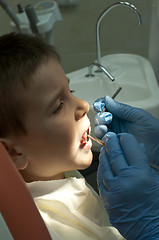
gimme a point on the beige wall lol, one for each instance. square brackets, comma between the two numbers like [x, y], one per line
[75, 38]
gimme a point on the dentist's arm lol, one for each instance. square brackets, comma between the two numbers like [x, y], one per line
[129, 188]
[127, 119]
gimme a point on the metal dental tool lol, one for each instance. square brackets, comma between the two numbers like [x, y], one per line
[95, 139]
[11, 14]
[33, 19]
[103, 144]
[117, 92]
[114, 95]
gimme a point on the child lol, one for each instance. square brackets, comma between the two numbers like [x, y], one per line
[44, 129]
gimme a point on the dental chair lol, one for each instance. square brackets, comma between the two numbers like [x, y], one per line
[19, 217]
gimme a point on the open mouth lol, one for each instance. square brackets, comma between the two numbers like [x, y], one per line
[85, 139]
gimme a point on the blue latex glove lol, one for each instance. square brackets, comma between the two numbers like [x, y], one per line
[129, 188]
[132, 120]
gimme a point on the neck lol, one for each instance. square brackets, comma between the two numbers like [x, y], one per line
[27, 178]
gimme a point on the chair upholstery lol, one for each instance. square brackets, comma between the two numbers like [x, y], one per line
[16, 204]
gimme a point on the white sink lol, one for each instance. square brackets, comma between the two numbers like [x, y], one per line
[95, 87]
[132, 72]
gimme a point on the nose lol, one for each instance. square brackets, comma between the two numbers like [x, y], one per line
[82, 108]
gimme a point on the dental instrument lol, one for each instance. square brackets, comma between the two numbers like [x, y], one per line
[11, 14]
[96, 140]
[20, 9]
[114, 95]
[103, 144]
[33, 19]
[117, 92]
[38, 19]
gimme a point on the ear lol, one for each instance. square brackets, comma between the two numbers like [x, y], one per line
[18, 157]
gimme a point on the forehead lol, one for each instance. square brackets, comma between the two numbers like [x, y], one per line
[48, 80]
[49, 72]
[49, 75]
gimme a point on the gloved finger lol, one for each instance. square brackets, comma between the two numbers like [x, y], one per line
[99, 105]
[100, 131]
[121, 110]
[142, 145]
[103, 118]
[106, 171]
[115, 154]
[132, 150]
[103, 188]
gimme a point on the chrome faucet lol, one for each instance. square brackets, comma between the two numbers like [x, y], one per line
[126, 4]
[102, 69]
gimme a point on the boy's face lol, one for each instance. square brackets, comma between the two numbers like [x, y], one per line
[57, 126]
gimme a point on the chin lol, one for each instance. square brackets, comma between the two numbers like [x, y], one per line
[87, 162]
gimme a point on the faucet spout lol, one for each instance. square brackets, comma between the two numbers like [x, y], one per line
[126, 4]
[102, 70]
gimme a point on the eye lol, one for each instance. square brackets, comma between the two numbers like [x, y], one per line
[59, 108]
[72, 91]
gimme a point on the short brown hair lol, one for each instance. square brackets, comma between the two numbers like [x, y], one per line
[20, 56]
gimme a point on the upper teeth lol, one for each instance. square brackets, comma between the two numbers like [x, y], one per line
[84, 136]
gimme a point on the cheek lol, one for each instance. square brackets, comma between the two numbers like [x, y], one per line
[68, 141]
[54, 141]
[67, 138]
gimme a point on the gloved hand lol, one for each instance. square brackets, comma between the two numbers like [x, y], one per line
[129, 188]
[132, 120]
